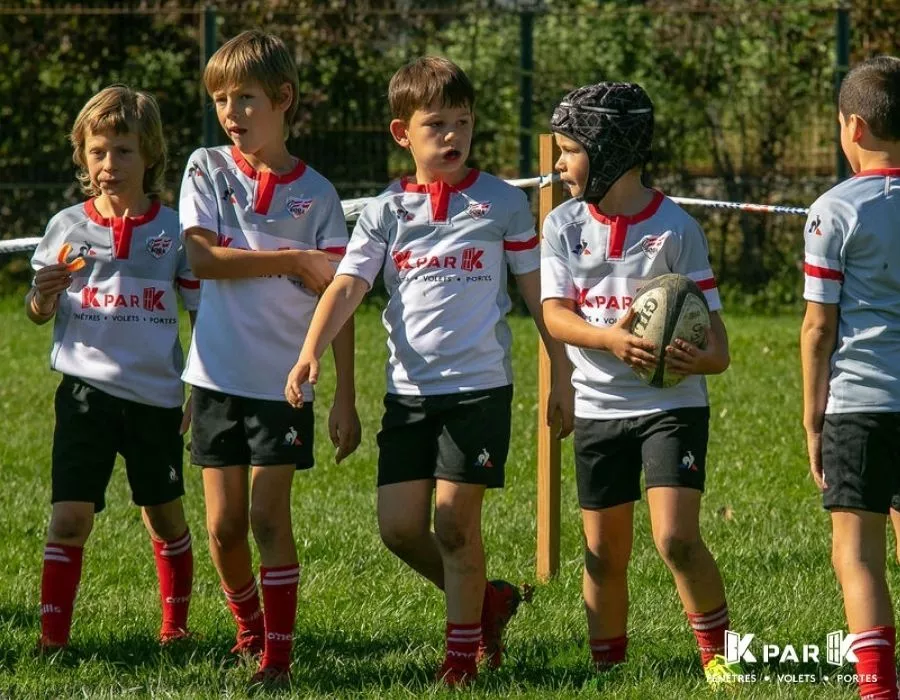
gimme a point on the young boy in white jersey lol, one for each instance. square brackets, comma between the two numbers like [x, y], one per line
[598, 249]
[108, 271]
[850, 351]
[443, 240]
[261, 229]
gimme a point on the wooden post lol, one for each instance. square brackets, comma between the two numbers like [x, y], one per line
[548, 444]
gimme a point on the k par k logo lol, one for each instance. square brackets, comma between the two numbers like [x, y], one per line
[739, 648]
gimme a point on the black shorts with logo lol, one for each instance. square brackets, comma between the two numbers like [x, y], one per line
[460, 437]
[861, 461]
[228, 430]
[92, 426]
[670, 448]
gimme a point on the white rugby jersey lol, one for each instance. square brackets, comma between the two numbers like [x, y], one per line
[117, 324]
[600, 263]
[443, 250]
[249, 331]
[852, 259]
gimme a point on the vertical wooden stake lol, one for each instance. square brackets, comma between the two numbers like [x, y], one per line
[548, 445]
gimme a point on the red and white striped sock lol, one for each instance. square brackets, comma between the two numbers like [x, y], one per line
[279, 588]
[59, 586]
[462, 646]
[608, 652]
[175, 572]
[246, 610]
[874, 649]
[709, 631]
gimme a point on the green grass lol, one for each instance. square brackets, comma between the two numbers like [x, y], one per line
[367, 626]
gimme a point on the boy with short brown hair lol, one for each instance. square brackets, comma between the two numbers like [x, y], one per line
[261, 229]
[442, 240]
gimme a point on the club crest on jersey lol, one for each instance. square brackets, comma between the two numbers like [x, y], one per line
[477, 210]
[298, 207]
[582, 248]
[159, 245]
[651, 245]
[228, 195]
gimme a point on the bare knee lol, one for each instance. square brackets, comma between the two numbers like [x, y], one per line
[399, 536]
[166, 521]
[451, 535]
[268, 525]
[602, 563]
[226, 533]
[680, 553]
[69, 526]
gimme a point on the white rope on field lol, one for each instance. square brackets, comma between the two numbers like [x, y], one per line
[353, 208]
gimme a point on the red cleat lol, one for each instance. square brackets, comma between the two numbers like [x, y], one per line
[455, 677]
[270, 678]
[172, 636]
[502, 601]
[248, 644]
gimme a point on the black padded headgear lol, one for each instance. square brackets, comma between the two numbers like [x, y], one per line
[613, 122]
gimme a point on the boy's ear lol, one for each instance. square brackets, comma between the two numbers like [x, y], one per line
[400, 132]
[857, 127]
[285, 95]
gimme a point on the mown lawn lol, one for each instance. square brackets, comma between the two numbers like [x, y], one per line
[368, 627]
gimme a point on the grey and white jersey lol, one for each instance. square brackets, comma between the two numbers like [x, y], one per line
[249, 331]
[601, 263]
[443, 251]
[117, 324]
[852, 259]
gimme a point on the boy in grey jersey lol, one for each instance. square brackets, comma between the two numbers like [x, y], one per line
[850, 351]
[443, 241]
[108, 271]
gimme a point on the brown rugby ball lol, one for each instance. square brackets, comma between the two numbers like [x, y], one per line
[669, 307]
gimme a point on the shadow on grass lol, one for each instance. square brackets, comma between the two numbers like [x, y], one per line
[331, 662]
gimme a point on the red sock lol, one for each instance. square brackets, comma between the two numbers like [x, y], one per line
[462, 646]
[279, 587]
[59, 585]
[709, 630]
[245, 608]
[878, 676]
[175, 571]
[608, 652]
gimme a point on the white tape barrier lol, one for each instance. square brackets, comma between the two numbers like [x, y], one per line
[353, 207]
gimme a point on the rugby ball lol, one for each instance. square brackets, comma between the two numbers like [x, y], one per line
[666, 308]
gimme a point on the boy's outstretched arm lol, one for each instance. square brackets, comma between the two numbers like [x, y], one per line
[818, 336]
[332, 312]
[343, 421]
[211, 261]
[562, 393]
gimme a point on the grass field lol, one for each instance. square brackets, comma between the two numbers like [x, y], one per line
[368, 627]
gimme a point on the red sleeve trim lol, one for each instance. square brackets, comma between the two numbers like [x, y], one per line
[337, 250]
[707, 284]
[516, 246]
[823, 273]
[186, 283]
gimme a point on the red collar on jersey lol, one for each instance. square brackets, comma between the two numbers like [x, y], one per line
[122, 227]
[439, 192]
[267, 179]
[883, 172]
[618, 225]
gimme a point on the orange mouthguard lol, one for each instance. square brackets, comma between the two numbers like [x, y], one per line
[73, 266]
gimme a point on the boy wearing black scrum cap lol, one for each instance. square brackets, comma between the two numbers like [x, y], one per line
[598, 249]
